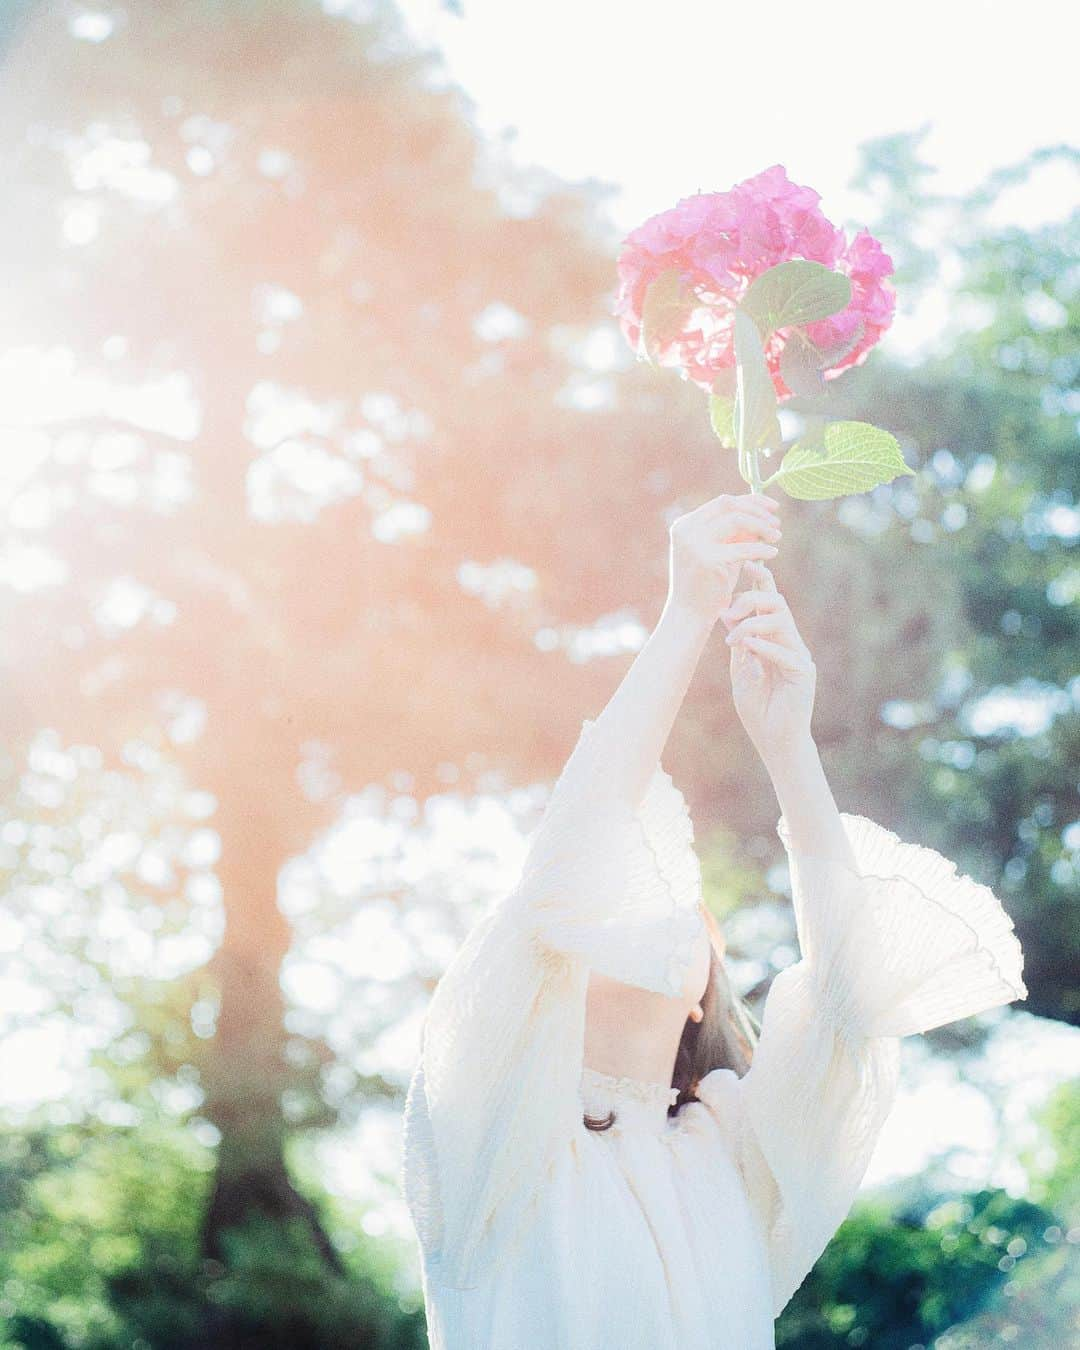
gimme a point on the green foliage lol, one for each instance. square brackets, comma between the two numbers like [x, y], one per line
[849, 457]
[756, 422]
[803, 367]
[664, 312]
[1053, 1162]
[722, 419]
[955, 1271]
[991, 421]
[795, 292]
[730, 883]
[905, 1269]
[84, 1206]
[802, 364]
[99, 1234]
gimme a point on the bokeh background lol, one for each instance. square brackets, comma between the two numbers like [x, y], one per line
[332, 503]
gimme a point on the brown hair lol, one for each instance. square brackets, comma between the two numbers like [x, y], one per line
[723, 1039]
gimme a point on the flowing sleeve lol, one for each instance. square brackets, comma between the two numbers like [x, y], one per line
[899, 944]
[611, 882]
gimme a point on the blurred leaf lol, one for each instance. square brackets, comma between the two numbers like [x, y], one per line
[664, 313]
[802, 366]
[722, 419]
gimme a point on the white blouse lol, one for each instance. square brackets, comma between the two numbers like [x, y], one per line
[684, 1232]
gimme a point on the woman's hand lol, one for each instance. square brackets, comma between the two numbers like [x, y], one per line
[710, 544]
[773, 675]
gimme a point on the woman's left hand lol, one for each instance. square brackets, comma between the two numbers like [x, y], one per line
[773, 675]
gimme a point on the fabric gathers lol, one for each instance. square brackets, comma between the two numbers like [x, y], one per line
[688, 1233]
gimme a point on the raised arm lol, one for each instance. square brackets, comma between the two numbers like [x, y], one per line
[774, 679]
[708, 545]
[892, 941]
[614, 822]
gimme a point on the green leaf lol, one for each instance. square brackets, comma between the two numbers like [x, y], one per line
[799, 291]
[664, 313]
[755, 395]
[849, 457]
[722, 419]
[832, 355]
[801, 367]
[803, 363]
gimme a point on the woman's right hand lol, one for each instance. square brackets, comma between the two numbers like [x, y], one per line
[710, 544]
[773, 675]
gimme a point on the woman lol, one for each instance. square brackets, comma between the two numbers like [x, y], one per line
[601, 1149]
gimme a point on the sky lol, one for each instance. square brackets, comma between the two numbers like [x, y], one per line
[667, 101]
[660, 102]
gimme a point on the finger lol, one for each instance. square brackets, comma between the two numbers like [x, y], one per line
[755, 521]
[759, 499]
[748, 501]
[774, 652]
[780, 628]
[749, 601]
[740, 552]
[777, 622]
[745, 514]
[763, 576]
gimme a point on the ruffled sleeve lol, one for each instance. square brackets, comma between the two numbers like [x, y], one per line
[611, 882]
[899, 944]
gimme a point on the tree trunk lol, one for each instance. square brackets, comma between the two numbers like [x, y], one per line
[245, 1068]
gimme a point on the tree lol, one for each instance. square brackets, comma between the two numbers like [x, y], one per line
[305, 245]
[919, 1262]
[994, 417]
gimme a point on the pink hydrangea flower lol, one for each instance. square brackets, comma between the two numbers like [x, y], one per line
[721, 241]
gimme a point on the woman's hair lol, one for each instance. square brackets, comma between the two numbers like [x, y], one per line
[723, 1039]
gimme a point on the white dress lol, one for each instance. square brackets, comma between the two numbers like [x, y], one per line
[690, 1232]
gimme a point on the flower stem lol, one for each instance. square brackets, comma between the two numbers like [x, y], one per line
[749, 469]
